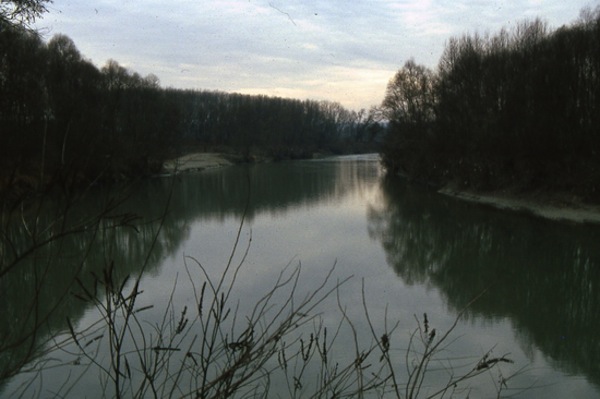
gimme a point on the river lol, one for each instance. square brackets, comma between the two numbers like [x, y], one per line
[528, 288]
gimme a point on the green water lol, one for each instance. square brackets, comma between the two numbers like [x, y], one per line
[537, 282]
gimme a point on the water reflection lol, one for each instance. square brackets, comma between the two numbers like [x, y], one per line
[273, 188]
[540, 276]
[543, 276]
[75, 242]
[37, 295]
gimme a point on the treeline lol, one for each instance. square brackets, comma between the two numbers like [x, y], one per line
[60, 115]
[63, 119]
[516, 110]
[274, 127]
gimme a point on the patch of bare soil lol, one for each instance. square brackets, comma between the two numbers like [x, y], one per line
[548, 207]
[196, 162]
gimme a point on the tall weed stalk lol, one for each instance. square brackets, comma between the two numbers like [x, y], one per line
[213, 349]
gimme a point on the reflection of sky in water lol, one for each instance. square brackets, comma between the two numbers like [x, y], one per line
[336, 212]
[333, 229]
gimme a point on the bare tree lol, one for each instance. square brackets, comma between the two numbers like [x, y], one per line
[22, 12]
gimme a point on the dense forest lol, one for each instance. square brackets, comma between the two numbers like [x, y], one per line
[65, 120]
[518, 110]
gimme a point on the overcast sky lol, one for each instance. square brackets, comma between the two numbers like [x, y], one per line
[339, 50]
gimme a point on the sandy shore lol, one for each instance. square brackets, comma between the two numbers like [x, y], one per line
[195, 162]
[567, 212]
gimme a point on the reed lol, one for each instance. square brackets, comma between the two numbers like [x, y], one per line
[281, 345]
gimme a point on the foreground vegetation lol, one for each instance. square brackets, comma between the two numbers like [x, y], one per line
[517, 110]
[110, 341]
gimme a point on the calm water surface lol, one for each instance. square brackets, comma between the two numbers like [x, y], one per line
[415, 252]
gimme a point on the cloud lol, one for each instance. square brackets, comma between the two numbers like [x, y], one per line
[309, 49]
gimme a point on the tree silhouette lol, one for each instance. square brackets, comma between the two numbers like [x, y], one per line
[22, 12]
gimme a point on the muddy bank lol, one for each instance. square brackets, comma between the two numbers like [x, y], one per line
[195, 162]
[553, 208]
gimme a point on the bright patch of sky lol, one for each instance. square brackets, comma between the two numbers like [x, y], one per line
[337, 50]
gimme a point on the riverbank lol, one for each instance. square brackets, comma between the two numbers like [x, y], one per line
[554, 208]
[196, 161]
[558, 208]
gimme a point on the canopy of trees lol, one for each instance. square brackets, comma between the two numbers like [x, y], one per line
[63, 119]
[519, 109]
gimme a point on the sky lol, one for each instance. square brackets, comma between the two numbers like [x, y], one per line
[337, 50]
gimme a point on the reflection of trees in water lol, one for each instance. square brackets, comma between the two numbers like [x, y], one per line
[545, 276]
[37, 295]
[274, 188]
[82, 239]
